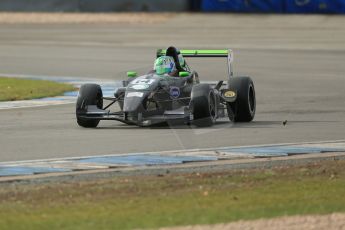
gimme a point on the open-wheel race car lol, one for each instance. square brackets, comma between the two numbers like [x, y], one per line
[171, 91]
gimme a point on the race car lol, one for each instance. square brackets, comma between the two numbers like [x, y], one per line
[171, 91]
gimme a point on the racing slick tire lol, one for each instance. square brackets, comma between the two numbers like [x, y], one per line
[204, 105]
[243, 109]
[89, 94]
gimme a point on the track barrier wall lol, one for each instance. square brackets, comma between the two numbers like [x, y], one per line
[275, 6]
[315, 6]
[244, 6]
[93, 5]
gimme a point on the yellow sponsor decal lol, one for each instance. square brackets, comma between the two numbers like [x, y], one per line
[229, 94]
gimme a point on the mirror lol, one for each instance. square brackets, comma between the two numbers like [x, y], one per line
[131, 74]
[184, 74]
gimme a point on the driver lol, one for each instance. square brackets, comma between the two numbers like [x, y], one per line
[180, 63]
[165, 65]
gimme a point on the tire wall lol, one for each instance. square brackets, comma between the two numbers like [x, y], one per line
[93, 5]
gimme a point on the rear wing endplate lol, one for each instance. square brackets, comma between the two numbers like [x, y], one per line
[206, 53]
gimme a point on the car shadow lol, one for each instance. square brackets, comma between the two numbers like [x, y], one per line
[182, 125]
[222, 124]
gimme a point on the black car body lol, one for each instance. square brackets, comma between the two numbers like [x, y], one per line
[152, 98]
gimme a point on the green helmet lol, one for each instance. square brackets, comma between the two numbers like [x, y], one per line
[164, 64]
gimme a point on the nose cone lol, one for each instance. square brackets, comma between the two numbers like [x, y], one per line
[133, 101]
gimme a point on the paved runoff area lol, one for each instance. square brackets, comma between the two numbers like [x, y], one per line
[295, 61]
[15, 170]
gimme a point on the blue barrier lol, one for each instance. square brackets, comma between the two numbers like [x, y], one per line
[93, 5]
[274, 6]
[315, 6]
[242, 5]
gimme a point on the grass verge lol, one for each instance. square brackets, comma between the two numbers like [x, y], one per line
[12, 89]
[170, 200]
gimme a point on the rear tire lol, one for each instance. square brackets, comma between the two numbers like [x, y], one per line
[204, 105]
[243, 109]
[89, 94]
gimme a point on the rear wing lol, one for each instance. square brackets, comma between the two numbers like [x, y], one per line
[206, 53]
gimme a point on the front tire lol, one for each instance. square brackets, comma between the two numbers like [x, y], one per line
[204, 105]
[243, 109]
[89, 94]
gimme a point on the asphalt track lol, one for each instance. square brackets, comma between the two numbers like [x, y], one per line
[296, 62]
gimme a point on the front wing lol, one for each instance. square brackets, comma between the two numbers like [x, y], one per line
[143, 118]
